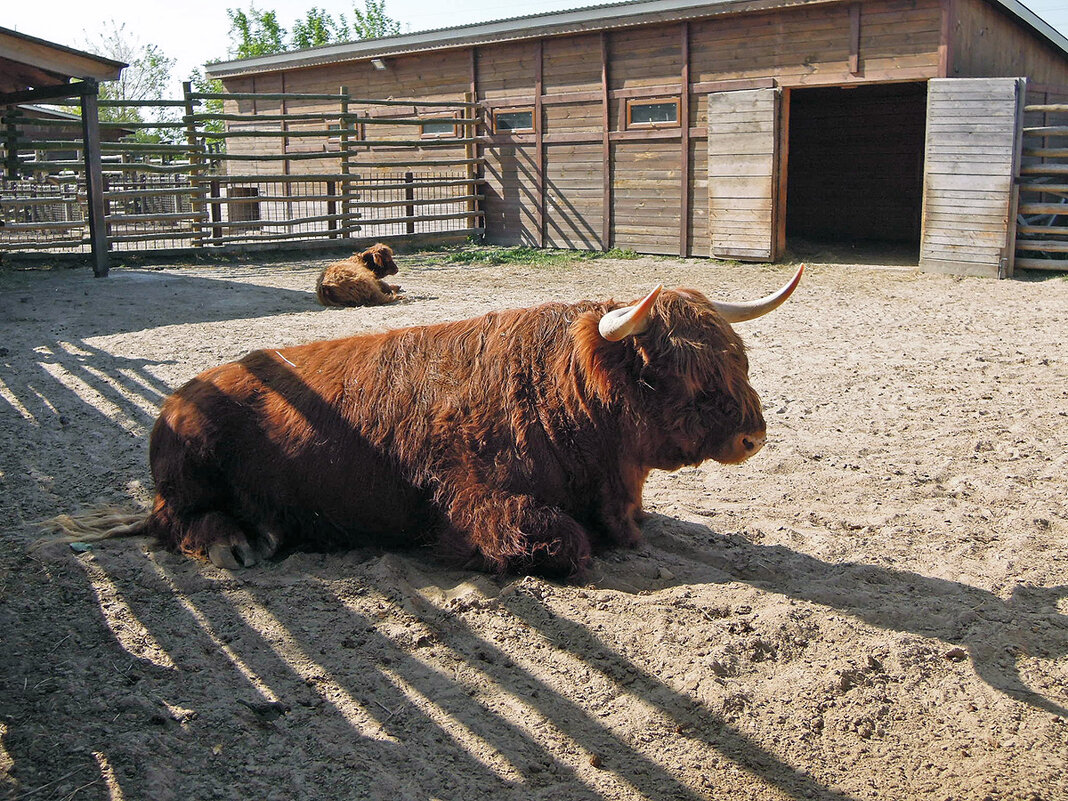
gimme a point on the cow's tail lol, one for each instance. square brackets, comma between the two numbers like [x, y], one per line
[93, 525]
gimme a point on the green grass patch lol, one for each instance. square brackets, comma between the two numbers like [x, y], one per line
[528, 256]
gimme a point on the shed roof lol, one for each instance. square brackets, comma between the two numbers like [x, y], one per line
[27, 62]
[579, 20]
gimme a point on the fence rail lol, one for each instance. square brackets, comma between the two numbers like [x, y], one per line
[224, 177]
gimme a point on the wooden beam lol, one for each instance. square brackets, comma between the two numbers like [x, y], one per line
[854, 38]
[78, 89]
[94, 184]
[684, 166]
[539, 156]
[783, 175]
[945, 53]
[606, 150]
[473, 151]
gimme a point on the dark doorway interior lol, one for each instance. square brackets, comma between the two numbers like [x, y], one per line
[855, 166]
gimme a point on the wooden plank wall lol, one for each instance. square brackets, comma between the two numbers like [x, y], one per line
[582, 179]
[743, 132]
[972, 154]
[986, 43]
[898, 40]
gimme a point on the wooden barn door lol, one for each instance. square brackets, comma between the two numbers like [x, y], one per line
[743, 169]
[972, 155]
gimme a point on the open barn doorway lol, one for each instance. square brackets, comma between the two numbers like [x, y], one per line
[855, 172]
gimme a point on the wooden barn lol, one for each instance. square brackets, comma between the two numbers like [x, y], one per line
[721, 128]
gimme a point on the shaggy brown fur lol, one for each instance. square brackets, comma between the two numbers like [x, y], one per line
[519, 440]
[357, 281]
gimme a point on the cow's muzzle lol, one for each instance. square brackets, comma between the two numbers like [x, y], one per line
[741, 447]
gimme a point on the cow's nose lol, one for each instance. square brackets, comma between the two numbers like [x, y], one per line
[748, 444]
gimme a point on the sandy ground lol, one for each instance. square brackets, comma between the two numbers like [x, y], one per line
[874, 607]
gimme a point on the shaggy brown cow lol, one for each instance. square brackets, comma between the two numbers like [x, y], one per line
[519, 440]
[357, 281]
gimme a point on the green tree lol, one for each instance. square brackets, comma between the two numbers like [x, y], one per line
[372, 22]
[318, 28]
[146, 78]
[255, 33]
[202, 84]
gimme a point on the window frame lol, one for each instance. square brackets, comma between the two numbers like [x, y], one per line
[651, 101]
[513, 110]
[454, 134]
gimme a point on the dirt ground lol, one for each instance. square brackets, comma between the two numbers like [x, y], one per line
[874, 607]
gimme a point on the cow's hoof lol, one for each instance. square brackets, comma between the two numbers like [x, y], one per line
[238, 552]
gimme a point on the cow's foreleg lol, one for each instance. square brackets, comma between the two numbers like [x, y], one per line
[619, 511]
[214, 535]
[504, 532]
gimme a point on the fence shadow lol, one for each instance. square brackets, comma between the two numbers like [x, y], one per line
[994, 632]
[295, 660]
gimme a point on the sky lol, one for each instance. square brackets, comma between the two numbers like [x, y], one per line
[196, 31]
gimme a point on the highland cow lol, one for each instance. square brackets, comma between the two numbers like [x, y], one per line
[515, 441]
[357, 280]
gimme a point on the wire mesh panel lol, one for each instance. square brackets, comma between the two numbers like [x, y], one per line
[148, 211]
[317, 168]
[43, 213]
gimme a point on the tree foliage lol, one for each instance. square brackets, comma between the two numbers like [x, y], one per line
[255, 33]
[258, 33]
[372, 22]
[202, 84]
[318, 28]
[147, 77]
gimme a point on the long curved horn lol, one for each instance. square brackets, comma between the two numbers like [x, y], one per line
[630, 320]
[740, 312]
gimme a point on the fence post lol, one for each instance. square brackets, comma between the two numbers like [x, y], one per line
[11, 143]
[94, 182]
[346, 184]
[215, 209]
[196, 168]
[409, 208]
[471, 154]
[331, 209]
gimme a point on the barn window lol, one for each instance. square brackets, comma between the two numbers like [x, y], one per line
[517, 120]
[653, 113]
[437, 129]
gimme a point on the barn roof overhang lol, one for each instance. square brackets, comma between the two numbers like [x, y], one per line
[35, 69]
[580, 20]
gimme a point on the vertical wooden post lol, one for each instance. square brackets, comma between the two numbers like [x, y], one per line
[331, 209]
[782, 175]
[283, 109]
[215, 210]
[684, 128]
[471, 156]
[854, 39]
[196, 169]
[11, 143]
[606, 150]
[343, 144]
[539, 144]
[94, 180]
[409, 208]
